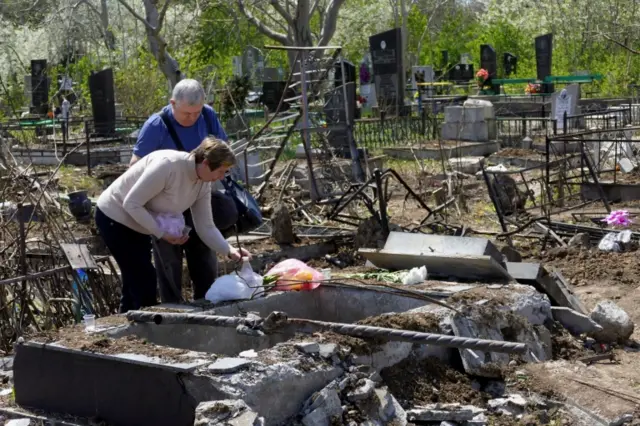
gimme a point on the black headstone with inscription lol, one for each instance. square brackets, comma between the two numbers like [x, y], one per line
[445, 59]
[103, 103]
[386, 55]
[272, 93]
[39, 87]
[489, 61]
[544, 53]
[510, 64]
[335, 110]
[461, 73]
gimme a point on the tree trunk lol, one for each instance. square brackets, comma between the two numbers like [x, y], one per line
[109, 37]
[158, 46]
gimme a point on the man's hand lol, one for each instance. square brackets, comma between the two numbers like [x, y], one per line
[171, 239]
[236, 255]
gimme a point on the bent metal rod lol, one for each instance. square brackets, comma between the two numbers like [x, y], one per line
[279, 319]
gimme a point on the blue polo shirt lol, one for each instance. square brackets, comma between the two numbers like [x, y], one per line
[154, 134]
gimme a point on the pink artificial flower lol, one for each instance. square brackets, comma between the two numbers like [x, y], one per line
[618, 218]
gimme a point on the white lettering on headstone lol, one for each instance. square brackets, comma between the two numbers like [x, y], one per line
[563, 105]
[237, 66]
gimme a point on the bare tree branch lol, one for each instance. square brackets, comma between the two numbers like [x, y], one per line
[279, 37]
[163, 13]
[282, 11]
[329, 25]
[624, 46]
[137, 16]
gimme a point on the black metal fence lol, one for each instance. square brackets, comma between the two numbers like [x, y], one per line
[391, 131]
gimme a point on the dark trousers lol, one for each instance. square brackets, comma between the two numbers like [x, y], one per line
[201, 261]
[132, 252]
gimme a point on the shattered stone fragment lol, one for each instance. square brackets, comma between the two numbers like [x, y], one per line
[443, 412]
[227, 412]
[364, 391]
[228, 365]
[615, 322]
[308, 347]
[573, 321]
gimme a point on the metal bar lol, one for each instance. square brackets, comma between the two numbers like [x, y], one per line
[415, 336]
[341, 328]
[384, 219]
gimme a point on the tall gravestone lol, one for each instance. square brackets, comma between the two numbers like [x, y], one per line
[445, 59]
[103, 103]
[544, 52]
[510, 64]
[253, 65]
[39, 87]
[386, 55]
[489, 61]
[335, 108]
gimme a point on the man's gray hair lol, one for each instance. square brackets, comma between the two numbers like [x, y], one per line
[189, 91]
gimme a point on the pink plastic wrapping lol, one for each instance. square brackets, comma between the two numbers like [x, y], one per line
[294, 269]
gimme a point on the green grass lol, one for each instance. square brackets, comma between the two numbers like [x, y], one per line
[76, 179]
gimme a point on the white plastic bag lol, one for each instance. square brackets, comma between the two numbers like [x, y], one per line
[415, 276]
[172, 224]
[241, 286]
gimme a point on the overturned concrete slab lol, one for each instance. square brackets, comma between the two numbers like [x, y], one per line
[573, 321]
[130, 392]
[440, 265]
[412, 243]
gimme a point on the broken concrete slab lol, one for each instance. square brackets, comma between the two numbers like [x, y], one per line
[440, 265]
[512, 405]
[469, 165]
[580, 240]
[228, 412]
[573, 321]
[495, 324]
[323, 407]
[524, 272]
[443, 412]
[228, 365]
[327, 350]
[364, 391]
[560, 291]
[308, 347]
[418, 244]
[616, 324]
[385, 356]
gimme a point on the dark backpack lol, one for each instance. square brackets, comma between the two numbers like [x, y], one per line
[249, 215]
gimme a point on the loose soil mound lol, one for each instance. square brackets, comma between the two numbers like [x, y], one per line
[418, 382]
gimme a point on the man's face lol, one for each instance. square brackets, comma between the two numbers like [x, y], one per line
[186, 115]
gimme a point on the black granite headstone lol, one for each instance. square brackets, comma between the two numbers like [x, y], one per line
[510, 64]
[272, 93]
[461, 73]
[335, 106]
[544, 52]
[489, 61]
[386, 55]
[39, 87]
[103, 103]
[445, 59]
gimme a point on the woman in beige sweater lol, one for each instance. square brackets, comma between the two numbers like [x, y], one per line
[168, 182]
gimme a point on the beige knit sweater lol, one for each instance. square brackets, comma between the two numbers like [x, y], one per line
[164, 181]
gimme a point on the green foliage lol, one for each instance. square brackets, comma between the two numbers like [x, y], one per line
[140, 86]
[233, 98]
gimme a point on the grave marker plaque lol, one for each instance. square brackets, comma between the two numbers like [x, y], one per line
[272, 93]
[510, 64]
[253, 64]
[335, 106]
[103, 103]
[544, 51]
[39, 87]
[489, 61]
[386, 55]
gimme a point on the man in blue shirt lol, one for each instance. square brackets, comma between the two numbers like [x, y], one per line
[182, 125]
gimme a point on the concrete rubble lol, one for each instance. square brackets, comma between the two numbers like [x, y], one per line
[575, 322]
[616, 324]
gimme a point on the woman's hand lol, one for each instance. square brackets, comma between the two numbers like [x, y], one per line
[237, 255]
[171, 239]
